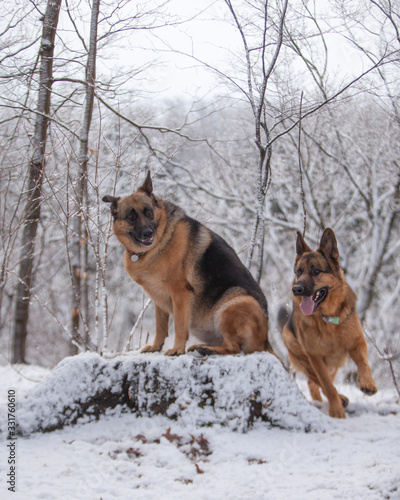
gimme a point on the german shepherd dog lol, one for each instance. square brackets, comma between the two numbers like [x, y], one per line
[324, 326]
[191, 273]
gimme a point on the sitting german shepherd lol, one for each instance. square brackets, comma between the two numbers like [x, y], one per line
[191, 273]
[324, 326]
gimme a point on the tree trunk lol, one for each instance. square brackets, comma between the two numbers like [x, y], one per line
[31, 214]
[79, 250]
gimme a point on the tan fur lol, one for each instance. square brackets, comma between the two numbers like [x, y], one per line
[318, 349]
[242, 323]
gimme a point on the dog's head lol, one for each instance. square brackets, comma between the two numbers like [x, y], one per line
[317, 274]
[137, 218]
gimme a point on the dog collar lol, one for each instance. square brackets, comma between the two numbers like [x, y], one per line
[331, 320]
[135, 256]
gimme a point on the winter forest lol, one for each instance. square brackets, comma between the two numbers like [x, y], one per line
[258, 117]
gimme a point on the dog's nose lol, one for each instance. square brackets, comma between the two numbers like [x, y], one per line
[298, 289]
[147, 233]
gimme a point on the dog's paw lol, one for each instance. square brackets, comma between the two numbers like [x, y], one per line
[204, 351]
[194, 347]
[344, 400]
[369, 389]
[336, 411]
[151, 348]
[175, 351]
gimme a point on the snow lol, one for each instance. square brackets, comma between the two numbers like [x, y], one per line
[229, 390]
[126, 456]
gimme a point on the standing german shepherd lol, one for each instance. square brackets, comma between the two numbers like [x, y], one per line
[190, 273]
[324, 326]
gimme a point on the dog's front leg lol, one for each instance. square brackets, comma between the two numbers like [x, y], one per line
[181, 305]
[162, 319]
[359, 354]
[335, 403]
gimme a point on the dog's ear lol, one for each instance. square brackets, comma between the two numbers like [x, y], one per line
[114, 203]
[328, 245]
[301, 245]
[147, 186]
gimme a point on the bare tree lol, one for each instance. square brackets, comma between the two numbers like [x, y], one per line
[79, 247]
[36, 173]
[380, 49]
[261, 56]
[383, 208]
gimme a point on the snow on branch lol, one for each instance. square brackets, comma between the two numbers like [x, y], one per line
[231, 391]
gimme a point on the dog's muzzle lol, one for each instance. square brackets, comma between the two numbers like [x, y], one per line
[145, 237]
[310, 301]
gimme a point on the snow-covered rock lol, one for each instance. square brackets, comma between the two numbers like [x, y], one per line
[231, 391]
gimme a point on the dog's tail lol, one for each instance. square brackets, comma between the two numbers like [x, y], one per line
[283, 317]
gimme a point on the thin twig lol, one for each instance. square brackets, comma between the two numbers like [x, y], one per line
[303, 201]
[141, 314]
[388, 359]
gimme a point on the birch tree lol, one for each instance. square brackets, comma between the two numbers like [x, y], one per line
[36, 168]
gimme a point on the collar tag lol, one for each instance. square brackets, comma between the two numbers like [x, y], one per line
[135, 257]
[331, 320]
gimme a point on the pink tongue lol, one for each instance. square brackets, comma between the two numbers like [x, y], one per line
[307, 306]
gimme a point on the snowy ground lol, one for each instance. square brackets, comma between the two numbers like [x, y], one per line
[146, 458]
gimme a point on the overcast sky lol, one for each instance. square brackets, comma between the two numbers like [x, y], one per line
[209, 36]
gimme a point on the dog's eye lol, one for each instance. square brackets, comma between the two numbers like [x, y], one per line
[132, 215]
[315, 271]
[148, 212]
[299, 272]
